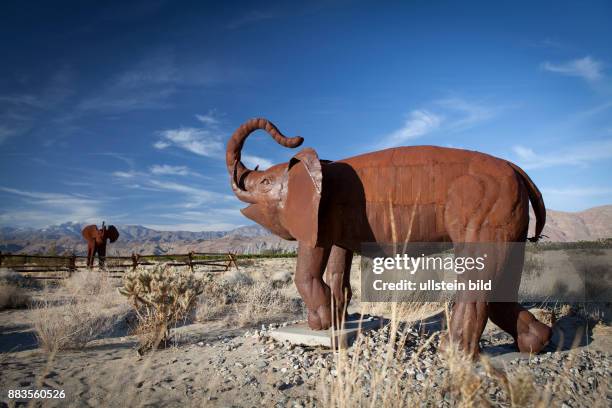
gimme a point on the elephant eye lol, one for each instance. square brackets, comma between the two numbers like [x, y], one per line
[265, 181]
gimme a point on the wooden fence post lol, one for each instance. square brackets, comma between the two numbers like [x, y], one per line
[191, 261]
[134, 261]
[232, 260]
[72, 264]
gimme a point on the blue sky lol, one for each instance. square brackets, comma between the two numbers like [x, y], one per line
[121, 111]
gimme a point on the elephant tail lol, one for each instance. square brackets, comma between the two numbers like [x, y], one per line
[537, 202]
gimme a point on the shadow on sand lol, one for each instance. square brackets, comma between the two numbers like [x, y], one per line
[18, 337]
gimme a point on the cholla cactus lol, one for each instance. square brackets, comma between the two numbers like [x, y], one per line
[160, 297]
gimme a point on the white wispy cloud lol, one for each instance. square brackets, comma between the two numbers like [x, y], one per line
[211, 219]
[209, 119]
[56, 199]
[462, 114]
[203, 142]
[252, 161]
[418, 123]
[152, 82]
[43, 208]
[165, 169]
[117, 100]
[450, 115]
[5, 133]
[20, 113]
[586, 68]
[46, 217]
[578, 191]
[576, 197]
[147, 85]
[160, 144]
[547, 43]
[125, 158]
[125, 174]
[196, 196]
[577, 155]
[596, 110]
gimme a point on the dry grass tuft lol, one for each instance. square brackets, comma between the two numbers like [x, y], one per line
[85, 285]
[262, 301]
[13, 296]
[88, 283]
[217, 299]
[239, 299]
[71, 325]
[238, 278]
[85, 307]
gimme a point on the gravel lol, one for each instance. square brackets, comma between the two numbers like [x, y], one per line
[579, 377]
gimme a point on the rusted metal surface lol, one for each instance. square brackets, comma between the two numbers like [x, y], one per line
[96, 241]
[404, 194]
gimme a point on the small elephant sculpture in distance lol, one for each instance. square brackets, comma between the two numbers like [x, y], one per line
[332, 207]
[96, 242]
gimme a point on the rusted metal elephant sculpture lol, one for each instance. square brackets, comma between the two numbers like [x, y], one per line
[332, 207]
[96, 242]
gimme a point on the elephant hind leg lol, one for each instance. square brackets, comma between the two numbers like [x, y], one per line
[314, 291]
[480, 210]
[469, 203]
[529, 334]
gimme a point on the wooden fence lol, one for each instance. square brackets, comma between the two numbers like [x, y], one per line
[35, 265]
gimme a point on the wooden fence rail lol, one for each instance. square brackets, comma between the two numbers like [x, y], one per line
[25, 263]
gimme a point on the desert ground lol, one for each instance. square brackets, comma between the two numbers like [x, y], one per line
[79, 336]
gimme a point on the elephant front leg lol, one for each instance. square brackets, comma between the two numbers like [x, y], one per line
[90, 256]
[339, 277]
[311, 263]
[102, 257]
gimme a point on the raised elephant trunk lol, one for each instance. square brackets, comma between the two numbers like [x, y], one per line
[237, 170]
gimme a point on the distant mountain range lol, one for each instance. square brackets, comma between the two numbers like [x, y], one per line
[66, 238]
[587, 225]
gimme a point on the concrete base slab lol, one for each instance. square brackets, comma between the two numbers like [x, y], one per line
[301, 334]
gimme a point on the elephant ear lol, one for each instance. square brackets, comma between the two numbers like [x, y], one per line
[112, 233]
[304, 189]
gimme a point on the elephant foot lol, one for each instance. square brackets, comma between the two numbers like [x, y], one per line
[321, 318]
[530, 335]
[533, 335]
